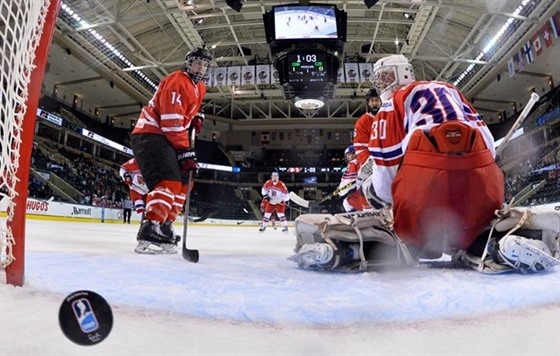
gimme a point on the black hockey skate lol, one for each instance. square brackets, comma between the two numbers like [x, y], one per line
[151, 235]
[167, 229]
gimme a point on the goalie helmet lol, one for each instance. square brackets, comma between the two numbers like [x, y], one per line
[274, 176]
[373, 106]
[391, 73]
[198, 63]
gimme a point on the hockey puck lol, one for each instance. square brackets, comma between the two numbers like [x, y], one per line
[85, 318]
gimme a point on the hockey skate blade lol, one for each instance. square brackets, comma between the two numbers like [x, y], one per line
[146, 248]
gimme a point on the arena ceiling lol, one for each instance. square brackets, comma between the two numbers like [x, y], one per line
[441, 38]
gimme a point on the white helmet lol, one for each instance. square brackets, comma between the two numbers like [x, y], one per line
[391, 73]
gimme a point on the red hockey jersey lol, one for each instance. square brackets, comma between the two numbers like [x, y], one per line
[131, 167]
[362, 130]
[420, 105]
[278, 192]
[170, 111]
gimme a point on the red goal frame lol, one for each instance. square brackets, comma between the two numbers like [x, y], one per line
[15, 272]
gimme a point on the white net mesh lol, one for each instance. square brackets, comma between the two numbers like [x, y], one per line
[21, 24]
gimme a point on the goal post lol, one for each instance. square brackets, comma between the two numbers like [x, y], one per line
[26, 32]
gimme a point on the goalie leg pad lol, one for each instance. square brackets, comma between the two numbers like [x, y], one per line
[347, 234]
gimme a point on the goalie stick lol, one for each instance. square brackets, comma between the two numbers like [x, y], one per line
[309, 204]
[532, 101]
[188, 254]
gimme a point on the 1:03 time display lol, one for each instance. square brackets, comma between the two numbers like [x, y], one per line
[306, 58]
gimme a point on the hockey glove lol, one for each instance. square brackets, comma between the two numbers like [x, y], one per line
[198, 121]
[127, 179]
[187, 162]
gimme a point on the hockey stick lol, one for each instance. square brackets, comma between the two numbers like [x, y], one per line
[534, 98]
[309, 204]
[188, 254]
[532, 101]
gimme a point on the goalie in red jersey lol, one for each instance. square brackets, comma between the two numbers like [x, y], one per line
[432, 169]
[275, 199]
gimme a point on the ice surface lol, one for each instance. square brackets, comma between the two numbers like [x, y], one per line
[245, 297]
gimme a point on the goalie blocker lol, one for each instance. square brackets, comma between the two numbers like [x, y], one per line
[519, 239]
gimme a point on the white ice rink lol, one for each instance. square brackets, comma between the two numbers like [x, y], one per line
[245, 298]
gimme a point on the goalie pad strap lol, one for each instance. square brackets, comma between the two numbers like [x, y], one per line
[351, 228]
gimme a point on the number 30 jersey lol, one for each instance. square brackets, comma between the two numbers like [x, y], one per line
[419, 105]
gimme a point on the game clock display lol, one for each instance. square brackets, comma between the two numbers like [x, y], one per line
[307, 68]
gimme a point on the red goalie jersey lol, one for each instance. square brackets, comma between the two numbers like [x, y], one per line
[423, 105]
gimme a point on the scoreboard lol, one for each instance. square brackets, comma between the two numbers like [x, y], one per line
[307, 68]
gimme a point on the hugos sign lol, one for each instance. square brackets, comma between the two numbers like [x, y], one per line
[37, 205]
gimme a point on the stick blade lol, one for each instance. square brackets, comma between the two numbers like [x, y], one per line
[190, 255]
[299, 200]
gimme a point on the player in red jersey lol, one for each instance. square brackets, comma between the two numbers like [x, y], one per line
[164, 153]
[276, 196]
[355, 200]
[131, 176]
[433, 161]
[362, 128]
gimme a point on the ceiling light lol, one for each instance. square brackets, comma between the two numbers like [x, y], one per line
[308, 104]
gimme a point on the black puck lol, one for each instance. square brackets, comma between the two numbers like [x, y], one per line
[85, 318]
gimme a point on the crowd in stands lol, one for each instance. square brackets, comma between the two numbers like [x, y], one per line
[537, 158]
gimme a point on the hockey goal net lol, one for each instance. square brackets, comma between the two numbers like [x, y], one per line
[26, 30]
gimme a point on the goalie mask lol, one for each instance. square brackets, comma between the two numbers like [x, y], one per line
[373, 101]
[198, 63]
[274, 176]
[390, 74]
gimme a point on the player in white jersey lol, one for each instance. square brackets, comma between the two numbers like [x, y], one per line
[276, 198]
